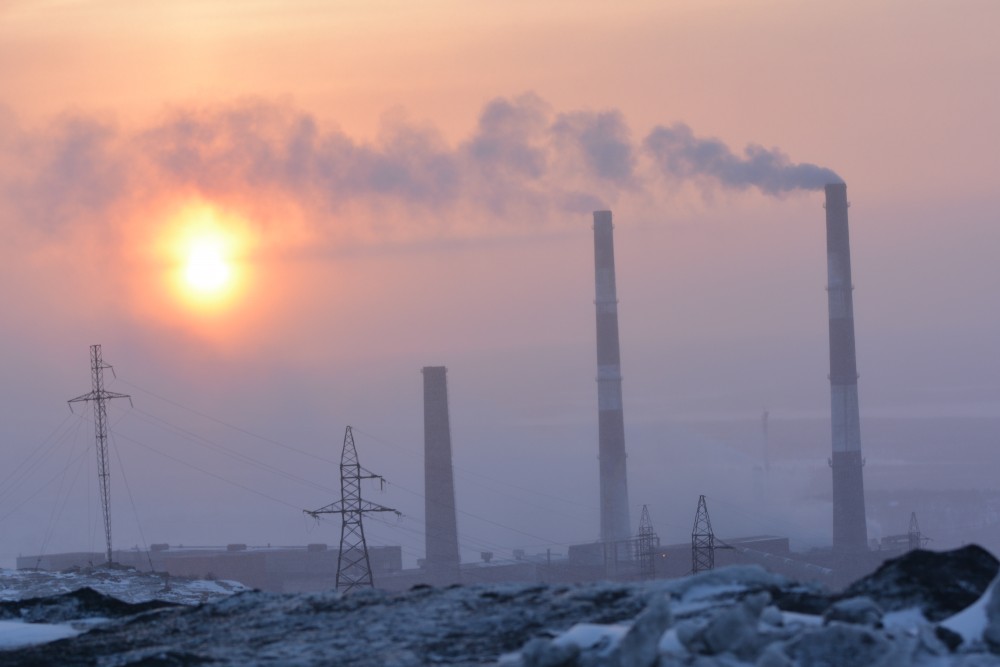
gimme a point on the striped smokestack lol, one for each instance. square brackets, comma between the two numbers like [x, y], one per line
[611, 421]
[441, 530]
[849, 530]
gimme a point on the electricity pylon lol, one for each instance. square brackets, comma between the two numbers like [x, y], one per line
[646, 543]
[702, 540]
[99, 396]
[354, 569]
[914, 537]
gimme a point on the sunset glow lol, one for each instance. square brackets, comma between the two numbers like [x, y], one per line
[272, 215]
[207, 251]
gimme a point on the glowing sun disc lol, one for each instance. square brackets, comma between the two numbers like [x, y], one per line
[207, 270]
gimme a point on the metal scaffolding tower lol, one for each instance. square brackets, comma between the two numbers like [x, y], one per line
[915, 538]
[646, 542]
[99, 396]
[702, 540]
[354, 569]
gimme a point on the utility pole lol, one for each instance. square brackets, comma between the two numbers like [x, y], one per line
[99, 396]
[702, 540]
[354, 569]
[646, 543]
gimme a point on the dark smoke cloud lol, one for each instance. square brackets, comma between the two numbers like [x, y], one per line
[682, 155]
[523, 163]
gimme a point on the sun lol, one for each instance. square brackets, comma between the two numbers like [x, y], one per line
[207, 270]
[207, 251]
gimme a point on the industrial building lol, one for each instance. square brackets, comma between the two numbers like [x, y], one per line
[275, 569]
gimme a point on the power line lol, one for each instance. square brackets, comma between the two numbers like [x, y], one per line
[369, 435]
[239, 456]
[135, 512]
[232, 426]
[206, 472]
[473, 473]
[59, 507]
[376, 438]
[44, 486]
[30, 463]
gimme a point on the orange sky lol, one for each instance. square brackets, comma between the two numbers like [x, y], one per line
[835, 80]
[348, 292]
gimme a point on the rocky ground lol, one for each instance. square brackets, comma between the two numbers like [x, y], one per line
[923, 609]
[122, 583]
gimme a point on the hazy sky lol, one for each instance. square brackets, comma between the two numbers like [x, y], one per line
[390, 185]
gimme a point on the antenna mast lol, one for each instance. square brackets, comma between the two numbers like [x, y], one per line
[99, 396]
[354, 569]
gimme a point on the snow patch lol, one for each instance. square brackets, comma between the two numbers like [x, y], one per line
[971, 622]
[591, 636]
[15, 634]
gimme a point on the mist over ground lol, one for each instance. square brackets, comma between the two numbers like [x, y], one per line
[398, 206]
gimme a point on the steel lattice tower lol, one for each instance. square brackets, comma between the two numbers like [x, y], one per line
[99, 396]
[354, 569]
[913, 536]
[646, 543]
[702, 540]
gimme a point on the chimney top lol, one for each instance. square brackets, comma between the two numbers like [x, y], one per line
[602, 217]
[833, 189]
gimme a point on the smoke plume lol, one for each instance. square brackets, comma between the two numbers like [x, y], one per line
[682, 155]
[523, 163]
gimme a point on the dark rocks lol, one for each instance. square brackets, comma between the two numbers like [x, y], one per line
[839, 645]
[801, 598]
[731, 617]
[951, 639]
[81, 603]
[458, 626]
[939, 583]
[540, 652]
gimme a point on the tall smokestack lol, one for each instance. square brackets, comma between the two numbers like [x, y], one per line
[849, 530]
[611, 420]
[441, 530]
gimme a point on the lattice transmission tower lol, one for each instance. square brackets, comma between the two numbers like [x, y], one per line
[914, 537]
[702, 539]
[99, 396]
[354, 569]
[646, 542]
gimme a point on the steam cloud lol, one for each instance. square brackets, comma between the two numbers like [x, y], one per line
[679, 153]
[522, 162]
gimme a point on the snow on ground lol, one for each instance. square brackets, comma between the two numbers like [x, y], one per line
[15, 634]
[924, 609]
[972, 621]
